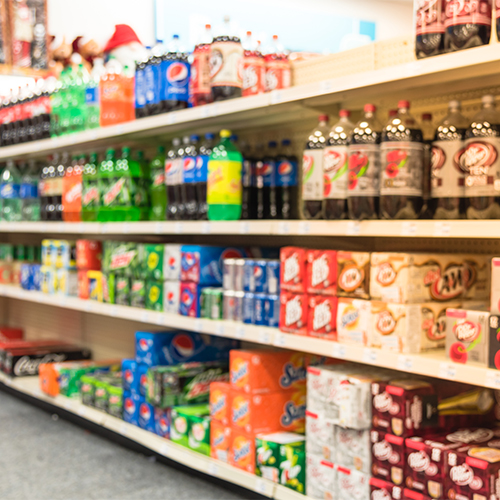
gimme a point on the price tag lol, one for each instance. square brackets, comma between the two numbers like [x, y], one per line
[171, 118]
[408, 228]
[325, 86]
[145, 317]
[304, 228]
[206, 228]
[339, 351]
[198, 325]
[36, 146]
[264, 337]
[276, 96]
[283, 228]
[126, 228]
[353, 228]
[8, 381]
[405, 363]
[88, 306]
[120, 130]
[370, 355]
[82, 411]
[280, 340]
[165, 450]
[67, 405]
[123, 429]
[442, 228]
[159, 228]
[240, 332]
[447, 370]
[493, 379]
[178, 228]
[104, 228]
[112, 311]
[161, 319]
[93, 135]
[244, 227]
[219, 329]
[260, 486]
[213, 469]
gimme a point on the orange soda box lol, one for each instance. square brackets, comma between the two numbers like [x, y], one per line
[220, 441]
[262, 413]
[261, 371]
[242, 450]
[220, 403]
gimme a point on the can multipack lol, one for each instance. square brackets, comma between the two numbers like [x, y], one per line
[294, 312]
[220, 402]
[242, 450]
[353, 274]
[322, 320]
[293, 269]
[321, 272]
[354, 324]
[171, 296]
[190, 427]
[352, 484]
[220, 440]
[172, 262]
[321, 477]
[388, 457]
[190, 299]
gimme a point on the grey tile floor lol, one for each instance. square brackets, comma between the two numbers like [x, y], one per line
[46, 459]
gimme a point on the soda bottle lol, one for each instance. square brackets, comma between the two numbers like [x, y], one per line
[7, 122]
[481, 163]
[72, 190]
[92, 94]
[158, 192]
[224, 180]
[109, 187]
[179, 179]
[79, 104]
[47, 177]
[110, 91]
[254, 68]
[199, 84]
[29, 192]
[225, 64]
[189, 176]
[175, 73]
[90, 190]
[428, 132]
[312, 170]
[335, 167]
[17, 133]
[447, 177]
[364, 167]
[29, 114]
[127, 97]
[204, 153]
[467, 24]
[58, 187]
[247, 183]
[429, 17]
[402, 167]
[173, 170]
[153, 80]
[10, 193]
[278, 72]
[497, 15]
[268, 173]
[258, 181]
[140, 89]
[287, 173]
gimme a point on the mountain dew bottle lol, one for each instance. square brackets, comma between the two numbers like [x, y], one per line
[157, 190]
[90, 190]
[109, 187]
[224, 180]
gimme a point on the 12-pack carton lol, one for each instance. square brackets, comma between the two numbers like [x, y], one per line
[321, 477]
[354, 323]
[293, 269]
[220, 440]
[190, 427]
[242, 450]
[388, 457]
[352, 484]
[353, 274]
[353, 449]
[321, 276]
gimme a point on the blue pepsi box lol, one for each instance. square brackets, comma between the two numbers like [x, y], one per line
[248, 308]
[162, 422]
[26, 277]
[190, 299]
[173, 348]
[273, 276]
[259, 309]
[131, 408]
[36, 276]
[272, 311]
[129, 378]
[146, 416]
[255, 275]
[142, 379]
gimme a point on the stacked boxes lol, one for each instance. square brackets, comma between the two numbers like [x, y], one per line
[88, 263]
[58, 272]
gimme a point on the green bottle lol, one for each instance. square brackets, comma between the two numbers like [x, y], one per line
[158, 191]
[90, 190]
[145, 182]
[110, 187]
[224, 180]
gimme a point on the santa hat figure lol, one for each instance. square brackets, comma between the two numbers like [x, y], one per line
[125, 46]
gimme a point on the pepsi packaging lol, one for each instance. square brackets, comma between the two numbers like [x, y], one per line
[172, 262]
[171, 296]
[190, 299]
[175, 72]
[272, 311]
[248, 308]
[162, 422]
[259, 309]
[146, 415]
[142, 379]
[273, 276]
[129, 379]
[131, 408]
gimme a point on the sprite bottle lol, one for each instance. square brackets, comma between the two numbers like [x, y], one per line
[224, 180]
[90, 190]
[110, 186]
[158, 192]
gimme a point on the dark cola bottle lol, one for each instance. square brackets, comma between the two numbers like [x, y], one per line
[258, 181]
[481, 162]
[247, 201]
[467, 24]
[429, 18]
[363, 176]
[447, 177]
[335, 168]
[402, 167]
[271, 202]
[287, 180]
[312, 170]
[428, 132]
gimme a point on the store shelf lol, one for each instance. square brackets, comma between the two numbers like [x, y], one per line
[472, 68]
[432, 364]
[485, 229]
[30, 386]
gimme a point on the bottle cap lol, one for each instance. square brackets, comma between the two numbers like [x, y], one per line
[208, 26]
[370, 108]
[195, 138]
[427, 117]
[209, 136]
[323, 118]
[225, 133]
[488, 99]
[404, 104]
[455, 104]
[125, 150]
[249, 33]
[393, 112]
[286, 142]
[161, 149]
[185, 139]
[344, 113]
[272, 144]
[110, 151]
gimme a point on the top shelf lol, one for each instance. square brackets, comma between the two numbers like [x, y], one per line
[472, 68]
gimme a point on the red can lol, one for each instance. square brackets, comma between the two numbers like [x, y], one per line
[294, 313]
[322, 272]
[322, 320]
[88, 255]
[293, 269]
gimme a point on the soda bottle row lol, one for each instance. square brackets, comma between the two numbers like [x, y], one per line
[404, 170]
[451, 25]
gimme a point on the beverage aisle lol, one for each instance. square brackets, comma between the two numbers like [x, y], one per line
[46, 459]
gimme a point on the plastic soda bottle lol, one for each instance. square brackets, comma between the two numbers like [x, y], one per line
[90, 190]
[140, 89]
[429, 17]
[10, 183]
[287, 181]
[157, 190]
[189, 176]
[72, 190]
[57, 185]
[29, 192]
[199, 83]
[254, 70]
[173, 169]
[109, 187]
[92, 94]
[109, 92]
[278, 73]
[224, 180]
[202, 159]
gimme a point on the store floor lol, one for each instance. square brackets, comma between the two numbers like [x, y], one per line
[46, 459]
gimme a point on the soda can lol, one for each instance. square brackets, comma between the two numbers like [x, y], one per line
[228, 276]
[248, 307]
[217, 303]
[239, 265]
[238, 306]
[260, 309]
[273, 276]
[260, 276]
[228, 304]
[248, 281]
[272, 310]
[206, 303]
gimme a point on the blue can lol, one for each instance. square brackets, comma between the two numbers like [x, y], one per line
[273, 276]
[272, 310]
[248, 281]
[248, 307]
[260, 309]
[260, 276]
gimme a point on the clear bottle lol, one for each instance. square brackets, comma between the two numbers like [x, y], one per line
[29, 192]
[189, 193]
[402, 167]
[481, 163]
[312, 170]
[202, 159]
[335, 168]
[175, 74]
[158, 192]
[363, 178]
[173, 169]
[199, 84]
[287, 179]
[10, 193]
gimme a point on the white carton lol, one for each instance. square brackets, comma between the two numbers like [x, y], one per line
[321, 478]
[320, 436]
[353, 449]
[171, 296]
[172, 262]
[352, 485]
[354, 321]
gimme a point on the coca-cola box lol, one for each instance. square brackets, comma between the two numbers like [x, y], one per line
[388, 457]
[293, 269]
[321, 272]
[322, 321]
[294, 313]
[384, 490]
[404, 407]
[353, 274]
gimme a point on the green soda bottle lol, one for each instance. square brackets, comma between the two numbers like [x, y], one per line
[90, 190]
[224, 180]
[110, 187]
[145, 182]
[158, 191]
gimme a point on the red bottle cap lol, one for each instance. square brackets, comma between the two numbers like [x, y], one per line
[404, 104]
[323, 118]
[370, 108]
[427, 116]
[344, 113]
[393, 112]
[249, 33]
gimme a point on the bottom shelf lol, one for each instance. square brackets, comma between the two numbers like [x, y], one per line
[164, 447]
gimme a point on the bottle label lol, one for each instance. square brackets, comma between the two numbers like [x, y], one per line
[90, 195]
[267, 171]
[9, 191]
[497, 9]
[447, 175]
[46, 187]
[224, 182]
[460, 12]
[175, 78]
[402, 168]
[72, 196]
[111, 195]
[158, 178]
[254, 74]
[481, 163]
[57, 186]
[202, 168]
[429, 17]
[363, 176]
[200, 72]
[312, 174]
[152, 83]
[335, 168]
[278, 75]
[189, 170]
[92, 96]
[287, 173]
[27, 191]
[173, 172]
[226, 64]
[246, 175]
[140, 88]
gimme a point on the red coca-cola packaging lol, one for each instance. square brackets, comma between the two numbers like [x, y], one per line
[8, 333]
[322, 320]
[322, 272]
[293, 269]
[388, 457]
[88, 255]
[384, 490]
[294, 313]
